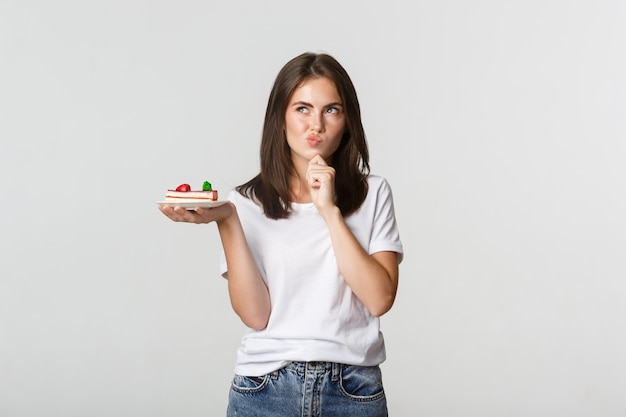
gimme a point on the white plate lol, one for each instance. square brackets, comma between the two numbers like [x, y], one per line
[190, 203]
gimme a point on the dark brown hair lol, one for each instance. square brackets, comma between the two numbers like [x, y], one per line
[271, 187]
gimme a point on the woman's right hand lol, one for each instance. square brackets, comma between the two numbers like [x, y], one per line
[198, 215]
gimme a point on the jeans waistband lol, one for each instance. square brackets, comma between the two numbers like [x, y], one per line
[316, 367]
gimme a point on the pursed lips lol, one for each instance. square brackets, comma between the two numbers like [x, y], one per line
[313, 140]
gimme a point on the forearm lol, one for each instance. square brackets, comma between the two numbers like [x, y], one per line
[249, 295]
[372, 278]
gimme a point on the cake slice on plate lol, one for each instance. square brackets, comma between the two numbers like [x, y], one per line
[184, 191]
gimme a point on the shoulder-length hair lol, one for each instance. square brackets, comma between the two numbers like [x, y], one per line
[271, 187]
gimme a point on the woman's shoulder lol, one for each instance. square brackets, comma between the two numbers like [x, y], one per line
[376, 182]
[374, 178]
[236, 195]
[244, 201]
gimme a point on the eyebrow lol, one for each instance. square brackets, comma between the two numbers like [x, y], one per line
[307, 104]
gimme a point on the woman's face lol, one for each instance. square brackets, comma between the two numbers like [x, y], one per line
[315, 120]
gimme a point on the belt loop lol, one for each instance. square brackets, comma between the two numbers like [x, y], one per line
[336, 371]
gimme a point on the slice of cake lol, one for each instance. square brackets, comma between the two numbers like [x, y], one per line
[184, 191]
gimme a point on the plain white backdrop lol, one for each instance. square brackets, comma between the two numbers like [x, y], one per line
[501, 127]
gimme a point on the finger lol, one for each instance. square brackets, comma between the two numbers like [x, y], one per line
[169, 212]
[184, 215]
[180, 214]
[317, 160]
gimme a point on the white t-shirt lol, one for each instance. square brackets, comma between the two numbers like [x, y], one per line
[315, 316]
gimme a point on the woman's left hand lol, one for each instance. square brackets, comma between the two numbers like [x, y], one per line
[321, 179]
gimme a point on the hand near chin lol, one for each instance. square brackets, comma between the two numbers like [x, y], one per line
[198, 215]
[321, 179]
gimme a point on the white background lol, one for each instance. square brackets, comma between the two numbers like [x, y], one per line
[499, 124]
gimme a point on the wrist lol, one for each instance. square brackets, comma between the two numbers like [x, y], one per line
[330, 212]
[230, 216]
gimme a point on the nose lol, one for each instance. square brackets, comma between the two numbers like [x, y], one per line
[317, 122]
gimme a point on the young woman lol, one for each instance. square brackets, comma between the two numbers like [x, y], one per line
[311, 254]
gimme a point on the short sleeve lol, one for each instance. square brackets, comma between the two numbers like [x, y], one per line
[385, 233]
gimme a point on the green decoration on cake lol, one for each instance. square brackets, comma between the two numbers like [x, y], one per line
[207, 186]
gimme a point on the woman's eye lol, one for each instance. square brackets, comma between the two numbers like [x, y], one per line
[302, 110]
[332, 110]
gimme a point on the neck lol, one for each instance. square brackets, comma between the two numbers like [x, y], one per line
[299, 189]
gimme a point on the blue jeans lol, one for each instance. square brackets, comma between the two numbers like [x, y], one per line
[319, 389]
